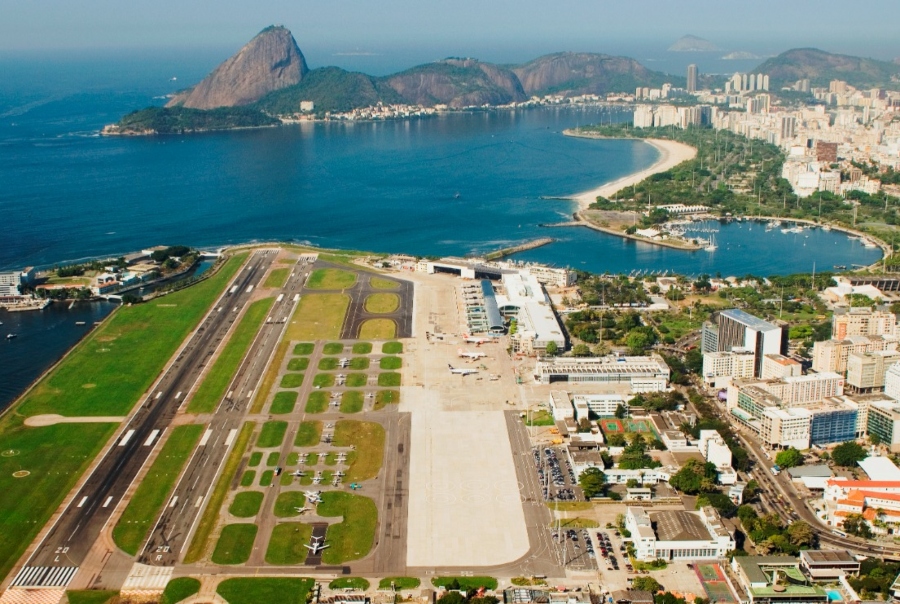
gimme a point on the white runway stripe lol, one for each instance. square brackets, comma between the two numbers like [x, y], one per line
[44, 576]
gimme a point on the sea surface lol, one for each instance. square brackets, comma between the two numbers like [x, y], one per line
[456, 184]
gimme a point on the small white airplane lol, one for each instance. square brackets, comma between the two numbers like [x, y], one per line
[473, 340]
[316, 545]
[298, 473]
[465, 354]
[302, 510]
[461, 370]
[314, 496]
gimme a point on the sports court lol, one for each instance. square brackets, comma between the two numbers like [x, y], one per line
[628, 426]
[713, 580]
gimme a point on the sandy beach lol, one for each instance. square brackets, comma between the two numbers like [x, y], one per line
[671, 154]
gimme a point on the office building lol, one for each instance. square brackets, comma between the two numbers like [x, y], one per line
[832, 355]
[692, 78]
[738, 329]
[832, 421]
[892, 381]
[737, 364]
[828, 565]
[678, 535]
[776, 579]
[866, 370]
[601, 405]
[778, 366]
[642, 374]
[884, 422]
[863, 322]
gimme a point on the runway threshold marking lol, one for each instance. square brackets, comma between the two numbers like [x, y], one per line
[205, 438]
[174, 501]
[199, 501]
[151, 438]
[108, 501]
[158, 394]
[230, 439]
[82, 502]
[126, 438]
[178, 396]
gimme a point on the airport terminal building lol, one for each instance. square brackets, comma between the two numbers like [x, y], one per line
[642, 374]
[678, 534]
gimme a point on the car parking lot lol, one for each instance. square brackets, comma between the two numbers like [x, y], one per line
[558, 480]
[578, 550]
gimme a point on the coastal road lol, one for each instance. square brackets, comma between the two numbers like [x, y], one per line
[64, 548]
[171, 535]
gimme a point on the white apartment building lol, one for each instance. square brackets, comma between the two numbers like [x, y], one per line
[866, 370]
[832, 355]
[800, 389]
[892, 381]
[778, 366]
[785, 428]
[863, 322]
[738, 363]
[714, 450]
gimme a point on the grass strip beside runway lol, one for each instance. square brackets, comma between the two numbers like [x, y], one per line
[288, 502]
[153, 491]
[380, 283]
[272, 434]
[318, 317]
[309, 434]
[246, 504]
[265, 590]
[378, 329]
[211, 512]
[277, 278]
[368, 438]
[357, 583]
[399, 583]
[380, 304]
[265, 387]
[235, 544]
[180, 589]
[466, 583]
[122, 358]
[352, 538]
[214, 385]
[331, 278]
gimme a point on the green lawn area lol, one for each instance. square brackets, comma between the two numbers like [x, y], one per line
[90, 596]
[292, 459]
[331, 278]
[272, 459]
[248, 478]
[352, 402]
[304, 348]
[323, 380]
[265, 479]
[318, 317]
[265, 387]
[292, 380]
[390, 363]
[466, 583]
[357, 380]
[211, 512]
[311, 459]
[352, 538]
[378, 329]
[283, 402]
[308, 434]
[577, 523]
[330, 459]
[362, 348]
[368, 438]
[386, 397]
[180, 589]
[235, 544]
[382, 303]
[286, 479]
[327, 363]
[287, 502]
[317, 402]
[120, 359]
[272, 434]
[255, 459]
[359, 363]
[265, 590]
[246, 504]
[153, 491]
[399, 583]
[215, 384]
[570, 506]
[277, 278]
[392, 348]
[288, 543]
[357, 583]
[298, 364]
[379, 283]
[333, 348]
[541, 417]
[388, 379]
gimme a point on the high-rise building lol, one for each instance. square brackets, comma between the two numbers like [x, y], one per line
[866, 370]
[788, 127]
[737, 328]
[692, 78]
[892, 381]
[863, 322]
[832, 355]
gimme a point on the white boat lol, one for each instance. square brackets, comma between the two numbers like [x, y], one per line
[867, 243]
[711, 246]
[826, 227]
[10, 336]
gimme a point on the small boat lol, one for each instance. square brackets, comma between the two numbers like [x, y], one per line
[10, 336]
[826, 227]
[79, 322]
[867, 243]
[840, 267]
[711, 246]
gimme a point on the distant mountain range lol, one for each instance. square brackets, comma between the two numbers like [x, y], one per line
[269, 77]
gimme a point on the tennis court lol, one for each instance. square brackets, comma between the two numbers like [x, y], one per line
[628, 426]
[713, 580]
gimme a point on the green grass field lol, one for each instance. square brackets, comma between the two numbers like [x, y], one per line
[382, 303]
[331, 278]
[216, 382]
[392, 348]
[248, 478]
[352, 402]
[311, 459]
[327, 363]
[466, 583]
[255, 459]
[368, 438]
[389, 379]
[541, 417]
[362, 348]
[272, 434]
[352, 538]
[277, 278]
[283, 402]
[318, 317]
[153, 491]
[272, 459]
[390, 363]
[91, 596]
[359, 363]
[265, 590]
[357, 583]
[292, 380]
[210, 516]
[357, 380]
[287, 502]
[323, 380]
[399, 583]
[180, 589]
[265, 479]
[386, 397]
[317, 402]
[304, 348]
[287, 545]
[333, 348]
[298, 364]
[379, 283]
[235, 544]
[268, 381]
[308, 434]
[246, 504]
[292, 458]
[378, 329]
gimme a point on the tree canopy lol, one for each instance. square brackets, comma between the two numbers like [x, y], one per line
[592, 482]
[695, 477]
[789, 458]
[848, 454]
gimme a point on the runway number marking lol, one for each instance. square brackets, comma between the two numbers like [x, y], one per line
[231, 434]
[126, 438]
[151, 438]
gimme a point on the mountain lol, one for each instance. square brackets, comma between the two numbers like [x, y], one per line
[269, 62]
[693, 44]
[331, 89]
[821, 67]
[586, 73]
[457, 83]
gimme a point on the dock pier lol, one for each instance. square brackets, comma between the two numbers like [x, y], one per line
[522, 247]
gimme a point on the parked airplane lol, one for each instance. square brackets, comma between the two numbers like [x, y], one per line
[473, 340]
[298, 473]
[314, 496]
[302, 510]
[461, 370]
[465, 354]
[316, 545]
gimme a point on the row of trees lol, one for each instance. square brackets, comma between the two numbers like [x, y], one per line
[771, 536]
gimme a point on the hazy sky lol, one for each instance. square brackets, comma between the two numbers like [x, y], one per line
[464, 27]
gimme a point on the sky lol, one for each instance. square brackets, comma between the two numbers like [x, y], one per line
[496, 30]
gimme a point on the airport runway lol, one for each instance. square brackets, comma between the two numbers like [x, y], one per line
[65, 547]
